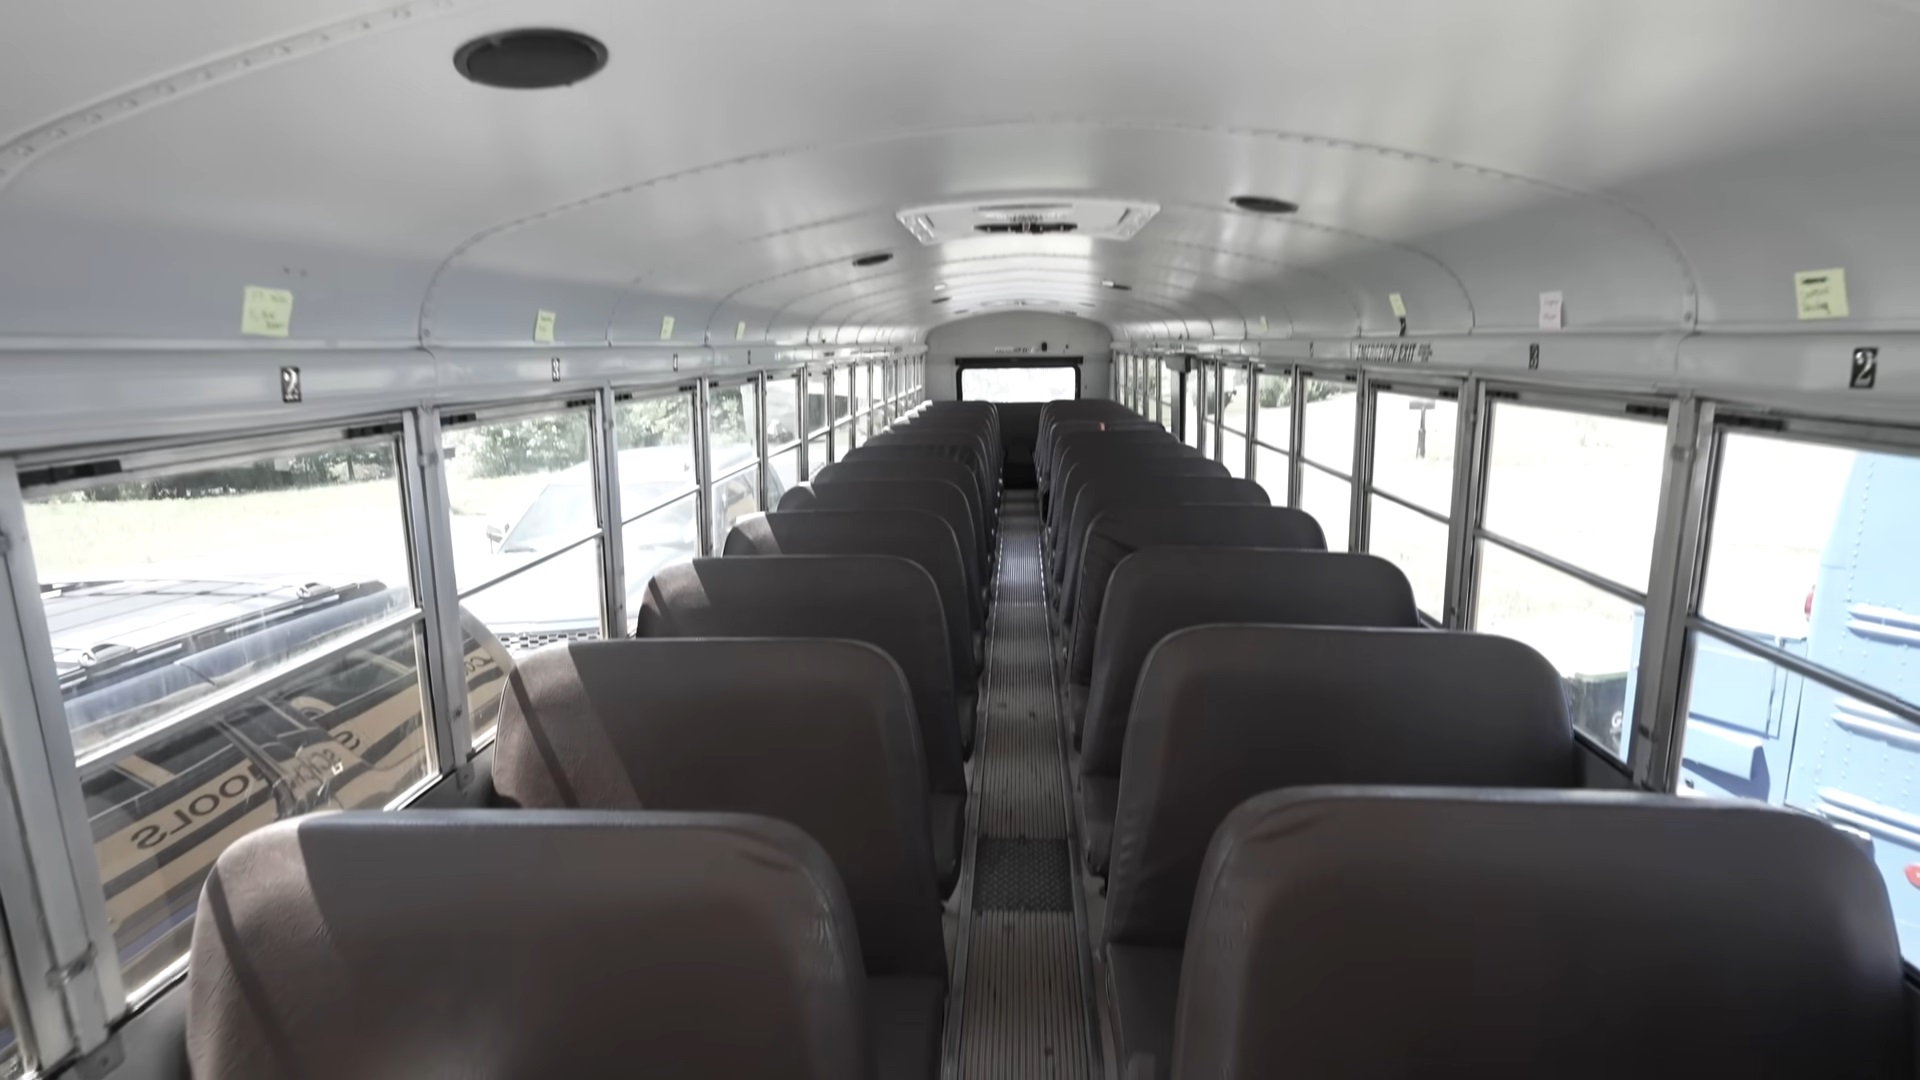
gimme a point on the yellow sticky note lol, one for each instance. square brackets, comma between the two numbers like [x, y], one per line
[1263, 324]
[1822, 294]
[543, 326]
[740, 332]
[666, 328]
[1399, 305]
[266, 312]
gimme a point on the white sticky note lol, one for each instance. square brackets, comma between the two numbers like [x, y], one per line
[740, 331]
[543, 325]
[1399, 305]
[1821, 294]
[666, 328]
[1263, 324]
[266, 312]
[1552, 310]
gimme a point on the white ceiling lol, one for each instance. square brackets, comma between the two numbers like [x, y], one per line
[1661, 162]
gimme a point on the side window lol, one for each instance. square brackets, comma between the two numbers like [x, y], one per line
[1273, 433]
[1234, 391]
[658, 487]
[731, 423]
[1326, 481]
[526, 529]
[237, 641]
[1410, 497]
[1566, 546]
[1804, 654]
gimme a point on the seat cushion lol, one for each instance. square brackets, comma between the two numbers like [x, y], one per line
[1099, 795]
[905, 1019]
[1144, 983]
[948, 816]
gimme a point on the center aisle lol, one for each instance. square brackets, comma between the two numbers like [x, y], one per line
[1021, 979]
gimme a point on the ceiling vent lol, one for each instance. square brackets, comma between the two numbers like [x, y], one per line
[1101, 219]
[530, 59]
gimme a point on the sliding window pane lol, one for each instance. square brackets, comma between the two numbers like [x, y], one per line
[1233, 452]
[783, 471]
[522, 490]
[1413, 449]
[843, 440]
[731, 422]
[1332, 414]
[1759, 731]
[1787, 515]
[655, 440]
[819, 393]
[234, 645]
[733, 498]
[841, 380]
[244, 567]
[1270, 469]
[1582, 488]
[1591, 637]
[1329, 499]
[1417, 544]
[783, 411]
[816, 459]
[655, 541]
[1275, 404]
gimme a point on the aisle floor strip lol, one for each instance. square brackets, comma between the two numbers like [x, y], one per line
[1021, 1003]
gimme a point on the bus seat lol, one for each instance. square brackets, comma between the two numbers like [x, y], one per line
[572, 943]
[1516, 934]
[1127, 527]
[909, 534]
[1224, 713]
[885, 601]
[1102, 492]
[1164, 590]
[812, 732]
[797, 497]
[878, 465]
[937, 497]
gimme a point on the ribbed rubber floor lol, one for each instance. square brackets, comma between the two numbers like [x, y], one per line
[1025, 1008]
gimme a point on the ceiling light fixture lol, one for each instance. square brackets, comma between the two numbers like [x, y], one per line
[874, 259]
[530, 59]
[940, 287]
[941, 299]
[1264, 204]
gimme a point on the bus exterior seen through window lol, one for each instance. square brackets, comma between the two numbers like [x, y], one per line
[1023, 383]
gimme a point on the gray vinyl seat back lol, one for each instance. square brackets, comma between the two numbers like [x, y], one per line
[1105, 465]
[1104, 491]
[1132, 442]
[885, 601]
[967, 448]
[1054, 422]
[941, 499]
[1515, 934]
[958, 424]
[1163, 590]
[908, 534]
[1224, 713]
[395, 946]
[979, 494]
[817, 733]
[1098, 449]
[1127, 527]
[864, 466]
[1123, 420]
